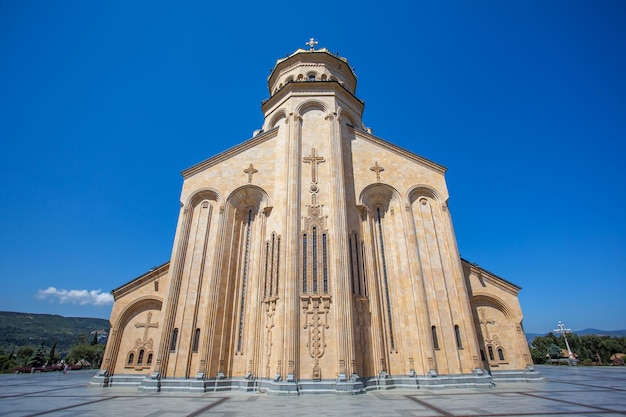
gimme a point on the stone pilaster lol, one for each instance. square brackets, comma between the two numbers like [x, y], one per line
[379, 356]
[212, 294]
[339, 231]
[196, 275]
[253, 348]
[469, 359]
[419, 292]
[170, 307]
[292, 177]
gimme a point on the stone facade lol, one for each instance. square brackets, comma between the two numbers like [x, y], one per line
[316, 257]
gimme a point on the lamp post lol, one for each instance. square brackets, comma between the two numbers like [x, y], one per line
[561, 329]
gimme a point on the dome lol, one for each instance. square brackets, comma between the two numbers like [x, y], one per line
[309, 66]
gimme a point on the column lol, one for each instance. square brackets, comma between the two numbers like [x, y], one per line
[339, 231]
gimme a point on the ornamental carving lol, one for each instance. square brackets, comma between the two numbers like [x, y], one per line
[270, 311]
[147, 325]
[315, 309]
[314, 217]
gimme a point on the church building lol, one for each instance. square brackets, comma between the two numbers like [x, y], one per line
[315, 257]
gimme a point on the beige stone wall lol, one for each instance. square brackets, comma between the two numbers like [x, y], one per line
[129, 316]
[498, 319]
[392, 293]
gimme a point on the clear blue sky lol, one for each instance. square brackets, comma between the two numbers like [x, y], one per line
[102, 104]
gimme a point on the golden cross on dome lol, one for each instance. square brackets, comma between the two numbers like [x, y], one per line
[312, 42]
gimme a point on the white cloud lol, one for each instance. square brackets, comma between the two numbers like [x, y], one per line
[82, 297]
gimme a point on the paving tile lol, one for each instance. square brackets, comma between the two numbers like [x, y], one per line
[568, 391]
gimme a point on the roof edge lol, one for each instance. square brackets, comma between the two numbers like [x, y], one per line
[400, 151]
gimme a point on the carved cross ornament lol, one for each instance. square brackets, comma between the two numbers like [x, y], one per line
[250, 171]
[147, 325]
[484, 321]
[316, 322]
[377, 169]
[313, 159]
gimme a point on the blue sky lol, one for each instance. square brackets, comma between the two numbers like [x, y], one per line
[102, 104]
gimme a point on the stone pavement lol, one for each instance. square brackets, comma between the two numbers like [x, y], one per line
[568, 391]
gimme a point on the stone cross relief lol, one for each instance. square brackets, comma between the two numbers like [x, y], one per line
[250, 171]
[377, 169]
[147, 325]
[313, 159]
[484, 321]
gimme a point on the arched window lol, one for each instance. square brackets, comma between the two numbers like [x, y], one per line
[140, 358]
[244, 280]
[174, 339]
[311, 77]
[457, 334]
[271, 276]
[325, 263]
[323, 77]
[277, 264]
[433, 330]
[131, 358]
[149, 362]
[358, 264]
[500, 354]
[304, 264]
[314, 243]
[156, 285]
[352, 267]
[363, 268]
[196, 340]
[490, 350]
[267, 255]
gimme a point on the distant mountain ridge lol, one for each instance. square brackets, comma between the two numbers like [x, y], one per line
[26, 329]
[612, 333]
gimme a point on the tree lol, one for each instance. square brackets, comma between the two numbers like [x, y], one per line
[52, 355]
[23, 355]
[38, 357]
[85, 351]
[539, 347]
[554, 351]
[590, 349]
[8, 361]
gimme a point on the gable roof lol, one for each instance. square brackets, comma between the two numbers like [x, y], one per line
[363, 134]
[229, 153]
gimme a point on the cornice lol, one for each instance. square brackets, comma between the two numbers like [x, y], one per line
[229, 153]
[141, 280]
[493, 278]
[399, 151]
[296, 87]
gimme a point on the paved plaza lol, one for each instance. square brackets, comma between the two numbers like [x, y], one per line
[568, 391]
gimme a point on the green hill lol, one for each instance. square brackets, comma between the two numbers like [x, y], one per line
[25, 329]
